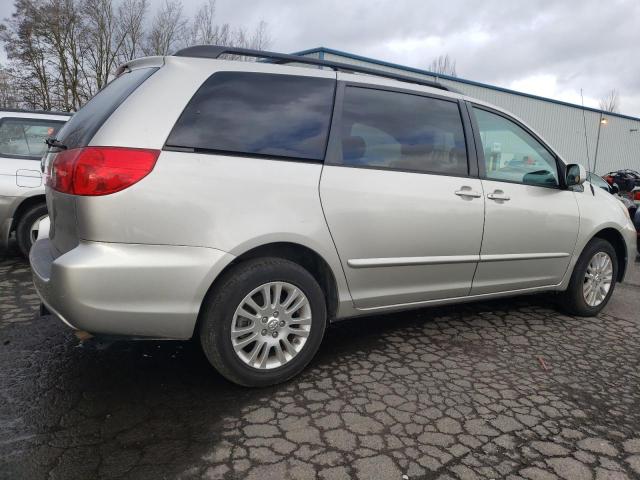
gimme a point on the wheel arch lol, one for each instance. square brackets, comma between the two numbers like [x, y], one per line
[25, 205]
[615, 238]
[304, 256]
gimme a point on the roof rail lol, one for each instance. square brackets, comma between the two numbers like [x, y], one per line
[215, 51]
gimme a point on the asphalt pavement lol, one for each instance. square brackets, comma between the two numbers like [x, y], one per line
[504, 389]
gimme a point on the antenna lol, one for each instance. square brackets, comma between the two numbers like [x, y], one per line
[586, 141]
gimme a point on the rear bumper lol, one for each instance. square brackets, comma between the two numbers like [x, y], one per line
[126, 289]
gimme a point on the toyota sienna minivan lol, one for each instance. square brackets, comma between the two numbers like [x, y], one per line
[249, 204]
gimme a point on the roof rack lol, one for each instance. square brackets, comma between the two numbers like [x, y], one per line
[215, 51]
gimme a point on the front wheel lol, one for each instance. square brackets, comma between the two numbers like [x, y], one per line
[593, 279]
[263, 322]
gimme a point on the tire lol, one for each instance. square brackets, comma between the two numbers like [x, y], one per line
[573, 299]
[218, 319]
[24, 226]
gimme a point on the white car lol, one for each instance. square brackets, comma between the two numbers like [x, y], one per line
[22, 202]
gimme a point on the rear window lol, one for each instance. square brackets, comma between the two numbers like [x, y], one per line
[24, 137]
[259, 114]
[79, 131]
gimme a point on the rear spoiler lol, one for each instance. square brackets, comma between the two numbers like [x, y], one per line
[144, 62]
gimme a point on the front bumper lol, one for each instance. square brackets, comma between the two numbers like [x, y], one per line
[633, 247]
[126, 289]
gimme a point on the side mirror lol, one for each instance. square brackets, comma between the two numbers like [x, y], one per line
[576, 174]
[614, 189]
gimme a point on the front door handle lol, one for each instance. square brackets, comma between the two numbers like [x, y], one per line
[498, 195]
[467, 192]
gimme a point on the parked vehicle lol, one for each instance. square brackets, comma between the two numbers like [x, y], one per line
[628, 182]
[613, 190]
[22, 199]
[636, 222]
[258, 201]
[634, 196]
[626, 179]
[599, 182]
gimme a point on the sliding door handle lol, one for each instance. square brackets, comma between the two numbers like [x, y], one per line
[498, 195]
[467, 192]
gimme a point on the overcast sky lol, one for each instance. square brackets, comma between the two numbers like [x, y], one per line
[545, 47]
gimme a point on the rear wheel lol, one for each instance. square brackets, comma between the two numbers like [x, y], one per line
[593, 279]
[263, 322]
[28, 227]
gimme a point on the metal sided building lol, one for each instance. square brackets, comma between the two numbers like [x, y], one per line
[612, 139]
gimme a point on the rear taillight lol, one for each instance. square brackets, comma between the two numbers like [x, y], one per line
[636, 195]
[93, 171]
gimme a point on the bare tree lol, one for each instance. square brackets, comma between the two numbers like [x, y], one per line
[61, 52]
[205, 31]
[105, 38]
[61, 26]
[9, 95]
[610, 102]
[26, 46]
[169, 30]
[443, 65]
[260, 39]
[130, 26]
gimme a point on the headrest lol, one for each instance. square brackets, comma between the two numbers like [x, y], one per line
[353, 149]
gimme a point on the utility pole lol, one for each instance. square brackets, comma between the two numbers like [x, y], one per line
[603, 121]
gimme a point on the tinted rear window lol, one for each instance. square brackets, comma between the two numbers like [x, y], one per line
[257, 113]
[79, 131]
[24, 137]
[399, 131]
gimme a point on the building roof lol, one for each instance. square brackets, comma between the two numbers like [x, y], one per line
[323, 50]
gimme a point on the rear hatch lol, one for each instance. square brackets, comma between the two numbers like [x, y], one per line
[76, 136]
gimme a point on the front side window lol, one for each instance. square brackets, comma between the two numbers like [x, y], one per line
[258, 113]
[394, 130]
[24, 137]
[512, 154]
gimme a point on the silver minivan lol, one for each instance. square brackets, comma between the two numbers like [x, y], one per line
[251, 203]
[22, 202]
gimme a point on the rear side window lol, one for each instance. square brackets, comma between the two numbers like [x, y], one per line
[81, 128]
[24, 137]
[400, 131]
[259, 114]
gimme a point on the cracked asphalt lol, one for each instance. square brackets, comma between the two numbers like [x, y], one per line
[504, 389]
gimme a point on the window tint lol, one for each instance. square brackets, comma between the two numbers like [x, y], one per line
[81, 128]
[24, 137]
[402, 131]
[257, 113]
[512, 154]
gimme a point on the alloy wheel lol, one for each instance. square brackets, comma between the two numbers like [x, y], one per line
[271, 325]
[597, 279]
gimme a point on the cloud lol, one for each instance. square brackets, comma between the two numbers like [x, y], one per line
[586, 44]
